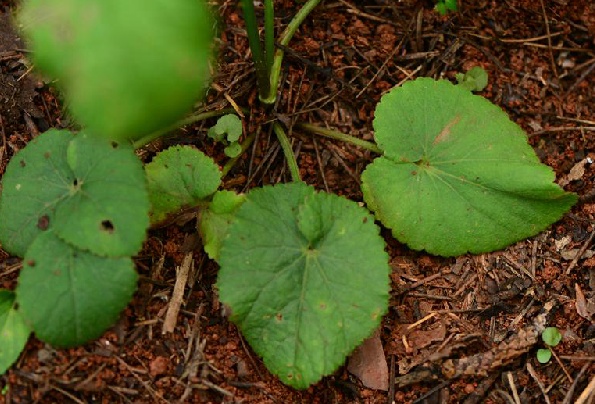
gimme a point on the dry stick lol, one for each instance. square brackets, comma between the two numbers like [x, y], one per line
[582, 77]
[580, 253]
[391, 380]
[570, 379]
[515, 393]
[146, 385]
[549, 41]
[586, 392]
[171, 318]
[573, 386]
[535, 376]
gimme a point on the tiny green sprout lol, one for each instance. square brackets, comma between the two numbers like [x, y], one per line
[5, 390]
[228, 130]
[551, 337]
[476, 79]
[444, 6]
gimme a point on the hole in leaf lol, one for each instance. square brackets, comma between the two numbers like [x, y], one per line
[108, 226]
[75, 182]
[43, 222]
[115, 145]
[15, 306]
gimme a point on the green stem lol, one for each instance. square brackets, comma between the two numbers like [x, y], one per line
[137, 144]
[333, 134]
[269, 33]
[262, 72]
[285, 38]
[231, 162]
[288, 152]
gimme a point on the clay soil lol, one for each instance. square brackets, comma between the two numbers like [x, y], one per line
[459, 330]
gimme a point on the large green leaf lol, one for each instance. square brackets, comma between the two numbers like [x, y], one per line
[127, 67]
[36, 180]
[180, 176]
[456, 175]
[71, 296]
[214, 221]
[14, 333]
[306, 277]
[90, 191]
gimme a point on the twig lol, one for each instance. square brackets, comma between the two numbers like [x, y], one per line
[573, 386]
[549, 41]
[515, 393]
[580, 253]
[586, 392]
[582, 77]
[535, 376]
[171, 317]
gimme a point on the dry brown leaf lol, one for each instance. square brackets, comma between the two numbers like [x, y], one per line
[419, 339]
[368, 363]
[581, 303]
[576, 172]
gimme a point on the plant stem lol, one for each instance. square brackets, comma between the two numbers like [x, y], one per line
[262, 71]
[231, 162]
[284, 40]
[269, 34]
[288, 152]
[333, 134]
[137, 144]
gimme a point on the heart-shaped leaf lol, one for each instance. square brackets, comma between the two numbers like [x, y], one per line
[214, 222]
[14, 333]
[180, 176]
[306, 277]
[125, 73]
[228, 127]
[71, 296]
[90, 191]
[456, 175]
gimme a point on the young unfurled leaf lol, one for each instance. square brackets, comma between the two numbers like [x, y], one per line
[14, 333]
[214, 221]
[551, 336]
[180, 176]
[318, 279]
[456, 175]
[228, 127]
[476, 79]
[90, 191]
[544, 355]
[125, 73]
[71, 296]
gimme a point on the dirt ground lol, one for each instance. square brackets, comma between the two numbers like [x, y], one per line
[458, 330]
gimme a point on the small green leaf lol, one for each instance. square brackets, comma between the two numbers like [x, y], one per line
[451, 5]
[544, 355]
[71, 296]
[14, 333]
[440, 7]
[180, 176]
[551, 336]
[125, 72]
[476, 79]
[37, 178]
[456, 175]
[229, 125]
[214, 222]
[306, 277]
[233, 150]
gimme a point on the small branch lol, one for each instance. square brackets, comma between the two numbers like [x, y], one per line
[288, 152]
[145, 140]
[333, 134]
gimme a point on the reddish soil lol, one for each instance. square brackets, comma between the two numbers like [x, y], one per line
[460, 307]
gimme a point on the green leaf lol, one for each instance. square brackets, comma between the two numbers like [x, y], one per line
[233, 150]
[456, 175]
[451, 5]
[476, 79]
[180, 176]
[440, 7]
[215, 221]
[14, 333]
[71, 296]
[551, 336]
[544, 355]
[90, 191]
[306, 277]
[129, 67]
[37, 178]
[229, 125]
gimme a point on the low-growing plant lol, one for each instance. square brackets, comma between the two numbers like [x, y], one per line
[305, 273]
[551, 337]
[444, 6]
[228, 130]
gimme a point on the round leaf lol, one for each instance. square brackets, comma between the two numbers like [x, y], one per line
[106, 206]
[544, 355]
[180, 176]
[306, 277]
[229, 125]
[129, 67]
[37, 178]
[71, 296]
[551, 336]
[456, 175]
[14, 333]
[233, 150]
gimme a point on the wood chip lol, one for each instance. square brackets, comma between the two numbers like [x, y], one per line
[368, 363]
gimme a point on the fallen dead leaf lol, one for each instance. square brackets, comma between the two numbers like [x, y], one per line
[368, 363]
[576, 172]
[581, 303]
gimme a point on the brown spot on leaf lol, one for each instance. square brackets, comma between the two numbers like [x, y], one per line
[22, 162]
[46, 155]
[279, 317]
[31, 263]
[57, 272]
[445, 133]
[413, 172]
[43, 223]
[108, 226]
